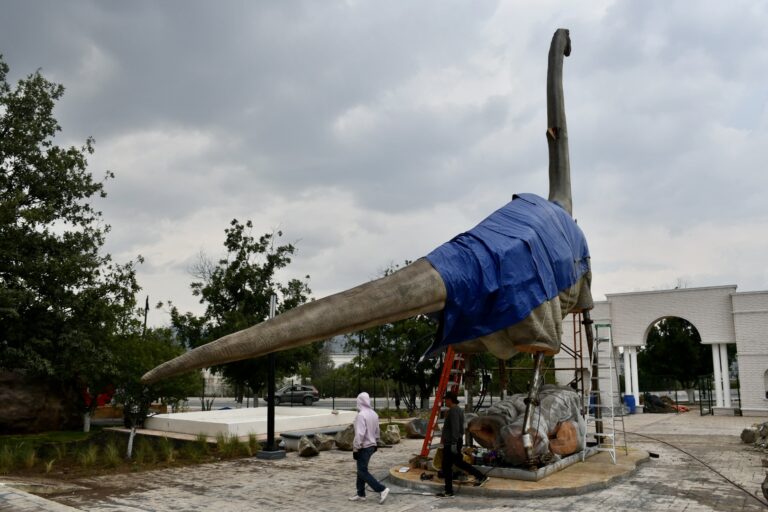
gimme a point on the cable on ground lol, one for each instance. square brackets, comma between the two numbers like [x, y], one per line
[735, 484]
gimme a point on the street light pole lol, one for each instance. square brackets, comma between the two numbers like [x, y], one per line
[271, 451]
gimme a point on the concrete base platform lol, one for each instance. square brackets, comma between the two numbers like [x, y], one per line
[597, 472]
[242, 422]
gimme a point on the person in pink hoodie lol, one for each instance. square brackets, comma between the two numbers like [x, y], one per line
[364, 445]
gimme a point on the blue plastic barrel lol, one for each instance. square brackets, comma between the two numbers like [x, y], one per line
[629, 400]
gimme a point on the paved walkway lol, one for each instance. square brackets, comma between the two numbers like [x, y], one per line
[674, 481]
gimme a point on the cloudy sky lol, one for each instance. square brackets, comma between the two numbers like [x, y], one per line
[370, 132]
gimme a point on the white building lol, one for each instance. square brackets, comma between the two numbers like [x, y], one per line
[720, 314]
[340, 354]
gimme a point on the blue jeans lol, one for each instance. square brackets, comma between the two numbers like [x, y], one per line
[363, 476]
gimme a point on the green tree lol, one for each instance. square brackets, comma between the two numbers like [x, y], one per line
[63, 304]
[139, 354]
[673, 349]
[236, 292]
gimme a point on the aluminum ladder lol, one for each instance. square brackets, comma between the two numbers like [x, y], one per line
[605, 436]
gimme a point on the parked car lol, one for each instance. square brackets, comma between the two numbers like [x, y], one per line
[298, 394]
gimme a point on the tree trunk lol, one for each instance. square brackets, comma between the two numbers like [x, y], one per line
[87, 421]
[129, 452]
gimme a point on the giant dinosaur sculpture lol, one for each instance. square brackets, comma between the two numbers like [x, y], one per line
[504, 286]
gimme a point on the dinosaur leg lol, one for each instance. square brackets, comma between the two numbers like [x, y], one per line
[530, 403]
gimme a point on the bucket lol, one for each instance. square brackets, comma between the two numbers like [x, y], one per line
[629, 400]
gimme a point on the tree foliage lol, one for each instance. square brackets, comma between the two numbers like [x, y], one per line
[673, 349]
[63, 304]
[236, 293]
[139, 353]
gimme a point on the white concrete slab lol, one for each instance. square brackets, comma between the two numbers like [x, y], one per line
[242, 422]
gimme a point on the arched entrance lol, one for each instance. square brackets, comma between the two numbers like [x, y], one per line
[673, 357]
[719, 314]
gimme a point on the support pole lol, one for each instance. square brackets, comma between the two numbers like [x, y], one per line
[718, 376]
[271, 451]
[725, 375]
[531, 402]
[635, 375]
[628, 373]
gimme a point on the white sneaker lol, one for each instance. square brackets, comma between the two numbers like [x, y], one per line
[357, 498]
[384, 495]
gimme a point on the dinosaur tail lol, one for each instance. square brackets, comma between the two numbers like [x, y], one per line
[415, 289]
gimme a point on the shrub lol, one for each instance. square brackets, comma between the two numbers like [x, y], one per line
[59, 451]
[221, 442]
[191, 451]
[235, 447]
[254, 446]
[144, 451]
[26, 455]
[88, 455]
[201, 442]
[166, 450]
[7, 457]
[112, 457]
[228, 446]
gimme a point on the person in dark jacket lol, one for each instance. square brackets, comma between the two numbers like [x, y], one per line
[452, 440]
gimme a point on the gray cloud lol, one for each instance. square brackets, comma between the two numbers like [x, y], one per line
[371, 132]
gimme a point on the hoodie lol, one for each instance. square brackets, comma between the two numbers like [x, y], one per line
[366, 423]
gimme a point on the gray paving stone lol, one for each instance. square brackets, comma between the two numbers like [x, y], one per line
[675, 481]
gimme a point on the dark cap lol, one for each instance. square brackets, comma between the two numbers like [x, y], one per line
[450, 395]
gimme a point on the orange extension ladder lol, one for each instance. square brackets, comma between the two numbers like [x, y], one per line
[450, 380]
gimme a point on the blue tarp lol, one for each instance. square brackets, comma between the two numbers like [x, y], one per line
[519, 257]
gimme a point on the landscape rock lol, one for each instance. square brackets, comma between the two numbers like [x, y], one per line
[391, 435]
[345, 438]
[307, 448]
[324, 442]
[749, 436]
[416, 429]
[30, 405]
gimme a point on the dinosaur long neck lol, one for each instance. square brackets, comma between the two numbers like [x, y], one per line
[557, 130]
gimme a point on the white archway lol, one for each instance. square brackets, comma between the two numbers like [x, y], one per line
[720, 315]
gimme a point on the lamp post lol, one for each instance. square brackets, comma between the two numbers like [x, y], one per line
[270, 451]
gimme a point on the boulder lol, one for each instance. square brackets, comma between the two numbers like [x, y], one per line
[566, 440]
[345, 438]
[323, 442]
[307, 448]
[416, 429]
[749, 436]
[558, 429]
[391, 435]
[32, 405]
[485, 429]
